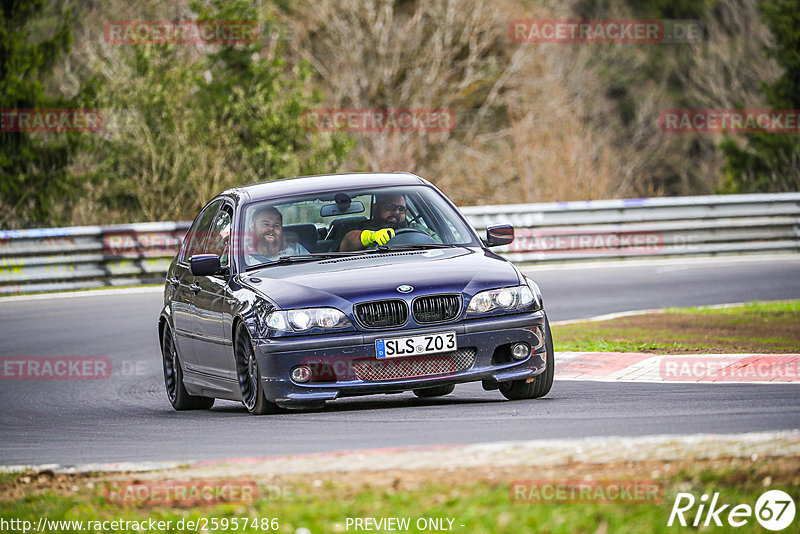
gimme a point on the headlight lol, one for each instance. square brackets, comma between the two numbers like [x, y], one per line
[306, 319]
[507, 298]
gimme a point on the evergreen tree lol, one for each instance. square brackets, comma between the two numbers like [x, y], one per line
[34, 173]
[770, 162]
[197, 121]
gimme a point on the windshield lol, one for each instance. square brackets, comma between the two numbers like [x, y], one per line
[350, 222]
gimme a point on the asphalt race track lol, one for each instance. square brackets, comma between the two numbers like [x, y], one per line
[128, 418]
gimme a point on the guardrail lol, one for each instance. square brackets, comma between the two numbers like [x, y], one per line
[57, 259]
[94, 256]
[635, 228]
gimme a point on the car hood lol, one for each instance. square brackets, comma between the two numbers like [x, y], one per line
[342, 282]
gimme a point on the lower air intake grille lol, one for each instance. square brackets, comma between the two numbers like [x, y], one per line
[436, 308]
[415, 366]
[382, 313]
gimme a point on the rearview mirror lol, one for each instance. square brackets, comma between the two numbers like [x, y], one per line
[204, 264]
[330, 210]
[502, 234]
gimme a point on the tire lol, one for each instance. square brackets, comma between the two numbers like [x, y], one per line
[437, 391]
[173, 378]
[249, 375]
[541, 384]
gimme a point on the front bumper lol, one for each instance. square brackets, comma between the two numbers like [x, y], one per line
[344, 352]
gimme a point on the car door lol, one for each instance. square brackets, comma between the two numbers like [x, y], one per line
[183, 306]
[213, 302]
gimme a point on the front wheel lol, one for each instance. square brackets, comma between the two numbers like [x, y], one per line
[173, 378]
[541, 384]
[249, 375]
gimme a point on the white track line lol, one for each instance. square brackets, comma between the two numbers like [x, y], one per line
[685, 262]
[617, 315]
[85, 293]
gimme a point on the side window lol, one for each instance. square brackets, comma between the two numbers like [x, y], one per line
[199, 231]
[432, 218]
[415, 217]
[219, 235]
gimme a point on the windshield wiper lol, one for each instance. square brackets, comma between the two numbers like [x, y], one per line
[317, 256]
[314, 256]
[414, 246]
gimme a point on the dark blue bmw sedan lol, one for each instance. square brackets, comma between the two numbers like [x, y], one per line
[291, 293]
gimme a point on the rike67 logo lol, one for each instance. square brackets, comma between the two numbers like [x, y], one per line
[774, 510]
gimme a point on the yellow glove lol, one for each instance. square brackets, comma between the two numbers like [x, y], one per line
[380, 237]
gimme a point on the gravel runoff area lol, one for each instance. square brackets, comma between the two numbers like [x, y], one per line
[514, 453]
[595, 450]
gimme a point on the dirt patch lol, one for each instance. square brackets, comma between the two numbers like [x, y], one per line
[15, 486]
[781, 471]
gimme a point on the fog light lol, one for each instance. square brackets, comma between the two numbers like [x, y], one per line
[520, 351]
[301, 374]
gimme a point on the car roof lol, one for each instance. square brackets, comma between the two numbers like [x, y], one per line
[323, 183]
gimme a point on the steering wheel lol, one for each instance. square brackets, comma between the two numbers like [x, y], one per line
[410, 236]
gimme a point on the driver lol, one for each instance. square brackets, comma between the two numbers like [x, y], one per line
[267, 230]
[388, 216]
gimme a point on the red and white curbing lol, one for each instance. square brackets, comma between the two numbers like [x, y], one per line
[684, 368]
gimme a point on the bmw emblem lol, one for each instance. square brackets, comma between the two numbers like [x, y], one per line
[405, 288]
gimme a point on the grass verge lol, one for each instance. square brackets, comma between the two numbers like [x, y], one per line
[476, 500]
[757, 327]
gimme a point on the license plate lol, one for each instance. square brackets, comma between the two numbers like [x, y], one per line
[416, 345]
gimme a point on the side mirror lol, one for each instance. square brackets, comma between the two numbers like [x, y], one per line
[502, 234]
[204, 264]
